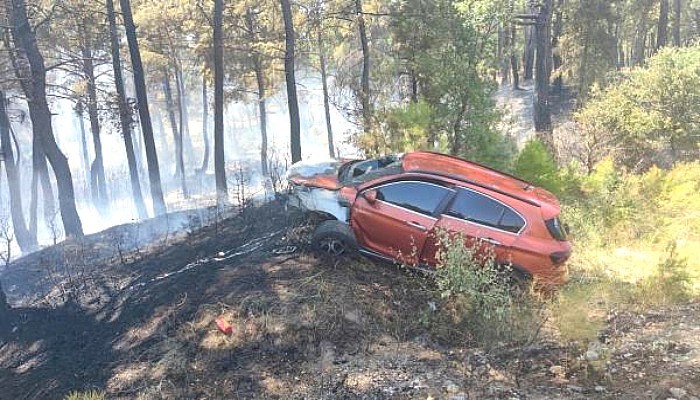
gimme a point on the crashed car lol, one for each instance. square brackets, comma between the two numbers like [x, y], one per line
[393, 207]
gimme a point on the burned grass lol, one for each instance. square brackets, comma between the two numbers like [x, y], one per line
[146, 325]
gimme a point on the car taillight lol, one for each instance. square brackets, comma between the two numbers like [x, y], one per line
[559, 257]
[556, 229]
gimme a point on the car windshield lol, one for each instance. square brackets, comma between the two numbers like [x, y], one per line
[307, 169]
[364, 170]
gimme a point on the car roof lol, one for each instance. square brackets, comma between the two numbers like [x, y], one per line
[479, 175]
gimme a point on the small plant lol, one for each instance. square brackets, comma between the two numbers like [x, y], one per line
[241, 188]
[576, 315]
[89, 395]
[482, 293]
[7, 237]
[669, 284]
[53, 223]
[276, 169]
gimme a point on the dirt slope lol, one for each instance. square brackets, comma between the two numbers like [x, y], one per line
[141, 325]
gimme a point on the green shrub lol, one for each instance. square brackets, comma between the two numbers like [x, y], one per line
[483, 294]
[534, 163]
[400, 129]
[650, 115]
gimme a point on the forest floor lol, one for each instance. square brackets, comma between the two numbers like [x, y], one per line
[138, 321]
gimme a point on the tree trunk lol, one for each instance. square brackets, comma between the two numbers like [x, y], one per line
[514, 68]
[98, 185]
[364, 86]
[181, 131]
[49, 202]
[558, 29]
[662, 31]
[677, 13]
[170, 108]
[260, 80]
[205, 125]
[144, 114]
[289, 39]
[219, 161]
[529, 51]
[164, 146]
[638, 55]
[83, 142]
[324, 84]
[124, 114]
[184, 115]
[583, 71]
[456, 145]
[543, 121]
[40, 114]
[504, 49]
[25, 241]
[4, 308]
[263, 115]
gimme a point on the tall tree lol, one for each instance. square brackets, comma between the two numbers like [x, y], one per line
[144, 113]
[543, 33]
[589, 43]
[557, 31]
[219, 160]
[124, 114]
[205, 124]
[677, 15]
[97, 171]
[529, 49]
[289, 73]
[256, 59]
[24, 239]
[79, 110]
[177, 131]
[324, 85]
[364, 82]
[662, 30]
[25, 41]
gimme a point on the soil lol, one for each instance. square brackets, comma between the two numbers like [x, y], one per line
[139, 321]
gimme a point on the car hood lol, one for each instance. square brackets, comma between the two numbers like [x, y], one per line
[315, 173]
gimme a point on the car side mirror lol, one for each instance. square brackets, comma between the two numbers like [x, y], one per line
[370, 196]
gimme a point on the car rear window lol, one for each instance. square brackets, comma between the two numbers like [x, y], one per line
[475, 207]
[421, 197]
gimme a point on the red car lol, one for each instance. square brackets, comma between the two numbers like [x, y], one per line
[392, 207]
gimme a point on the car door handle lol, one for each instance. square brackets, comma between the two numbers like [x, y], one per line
[417, 226]
[492, 241]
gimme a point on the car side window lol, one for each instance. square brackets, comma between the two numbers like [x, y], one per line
[511, 222]
[475, 207]
[420, 197]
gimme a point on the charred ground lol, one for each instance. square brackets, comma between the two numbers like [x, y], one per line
[131, 312]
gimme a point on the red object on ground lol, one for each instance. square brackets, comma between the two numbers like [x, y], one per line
[224, 326]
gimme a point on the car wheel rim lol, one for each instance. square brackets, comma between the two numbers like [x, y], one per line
[332, 246]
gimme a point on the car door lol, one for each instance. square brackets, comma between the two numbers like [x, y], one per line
[394, 219]
[482, 220]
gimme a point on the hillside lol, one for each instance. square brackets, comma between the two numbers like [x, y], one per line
[141, 325]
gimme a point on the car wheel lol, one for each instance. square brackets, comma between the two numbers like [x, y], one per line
[519, 280]
[334, 238]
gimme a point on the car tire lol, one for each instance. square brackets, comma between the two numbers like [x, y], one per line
[519, 280]
[334, 238]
